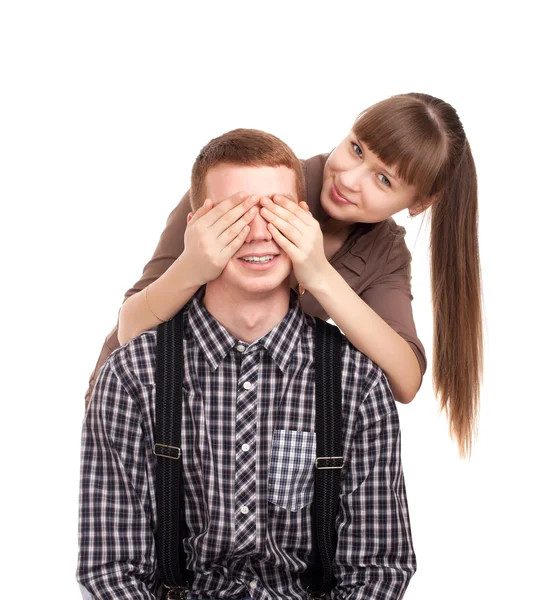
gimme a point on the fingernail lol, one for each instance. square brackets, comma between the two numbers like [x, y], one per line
[253, 199]
[266, 201]
[278, 198]
[242, 195]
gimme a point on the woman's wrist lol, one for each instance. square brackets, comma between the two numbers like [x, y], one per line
[165, 297]
[323, 283]
[184, 275]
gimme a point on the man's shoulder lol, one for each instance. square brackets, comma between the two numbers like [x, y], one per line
[136, 360]
[362, 368]
[365, 369]
[124, 376]
[362, 377]
[375, 396]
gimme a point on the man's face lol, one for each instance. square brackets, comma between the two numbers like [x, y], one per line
[245, 271]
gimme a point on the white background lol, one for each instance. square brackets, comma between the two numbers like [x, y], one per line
[104, 106]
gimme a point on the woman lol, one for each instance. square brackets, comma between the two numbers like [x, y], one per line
[350, 259]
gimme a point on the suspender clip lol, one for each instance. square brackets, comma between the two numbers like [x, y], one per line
[165, 451]
[177, 593]
[329, 462]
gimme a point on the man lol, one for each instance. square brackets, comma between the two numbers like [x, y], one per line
[249, 408]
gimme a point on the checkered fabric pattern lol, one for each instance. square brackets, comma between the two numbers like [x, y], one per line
[248, 454]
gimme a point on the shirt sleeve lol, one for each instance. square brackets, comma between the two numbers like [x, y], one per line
[375, 558]
[116, 544]
[389, 294]
[169, 248]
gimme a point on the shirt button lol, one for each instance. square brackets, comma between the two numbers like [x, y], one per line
[253, 584]
[241, 348]
[245, 447]
[244, 510]
[247, 385]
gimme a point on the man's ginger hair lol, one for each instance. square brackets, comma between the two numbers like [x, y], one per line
[245, 148]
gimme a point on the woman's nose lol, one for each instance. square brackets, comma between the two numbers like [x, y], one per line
[258, 229]
[350, 179]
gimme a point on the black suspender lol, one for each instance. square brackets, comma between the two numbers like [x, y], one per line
[171, 524]
[329, 461]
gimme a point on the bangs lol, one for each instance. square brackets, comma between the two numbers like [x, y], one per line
[406, 136]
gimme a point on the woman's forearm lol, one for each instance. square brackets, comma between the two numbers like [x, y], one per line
[368, 332]
[167, 295]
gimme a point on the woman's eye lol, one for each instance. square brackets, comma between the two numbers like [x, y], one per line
[384, 180]
[357, 149]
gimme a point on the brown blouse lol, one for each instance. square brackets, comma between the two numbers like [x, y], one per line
[374, 261]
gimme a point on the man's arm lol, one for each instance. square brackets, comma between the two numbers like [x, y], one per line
[375, 558]
[116, 544]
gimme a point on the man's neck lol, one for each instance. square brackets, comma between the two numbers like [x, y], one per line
[246, 316]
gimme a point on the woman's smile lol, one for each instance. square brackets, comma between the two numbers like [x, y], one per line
[338, 197]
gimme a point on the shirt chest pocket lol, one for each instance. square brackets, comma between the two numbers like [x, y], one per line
[290, 482]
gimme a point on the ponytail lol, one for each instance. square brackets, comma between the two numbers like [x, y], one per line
[457, 299]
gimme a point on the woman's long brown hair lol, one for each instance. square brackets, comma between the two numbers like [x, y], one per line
[422, 138]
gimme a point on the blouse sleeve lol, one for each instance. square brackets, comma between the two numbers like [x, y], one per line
[389, 295]
[169, 248]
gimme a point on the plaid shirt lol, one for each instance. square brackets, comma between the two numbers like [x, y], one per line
[248, 464]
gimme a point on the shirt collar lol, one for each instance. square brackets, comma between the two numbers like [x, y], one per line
[216, 342]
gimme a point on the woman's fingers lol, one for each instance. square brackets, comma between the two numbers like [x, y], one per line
[234, 230]
[285, 222]
[296, 208]
[284, 243]
[202, 210]
[231, 249]
[234, 214]
[222, 208]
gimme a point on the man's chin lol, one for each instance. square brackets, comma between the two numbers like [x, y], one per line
[261, 288]
[256, 286]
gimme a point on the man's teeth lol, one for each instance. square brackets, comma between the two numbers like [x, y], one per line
[258, 259]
